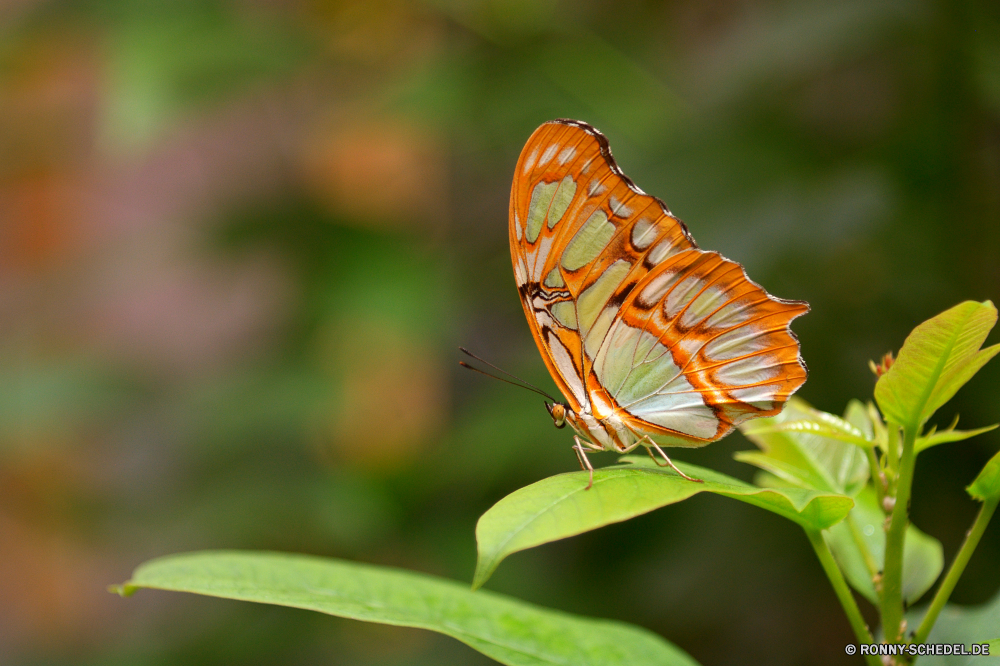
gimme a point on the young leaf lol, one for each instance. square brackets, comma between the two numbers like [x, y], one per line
[937, 358]
[510, 631]
[947, 436]
[859, 416]
[796, 448]
[861, 536]
[987, 483]
[561, 506]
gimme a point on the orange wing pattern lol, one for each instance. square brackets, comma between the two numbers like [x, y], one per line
[634, 322]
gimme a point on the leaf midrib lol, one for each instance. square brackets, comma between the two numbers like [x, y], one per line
[915, 418]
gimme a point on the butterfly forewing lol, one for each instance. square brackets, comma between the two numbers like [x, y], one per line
[579, 230]
[632, 319]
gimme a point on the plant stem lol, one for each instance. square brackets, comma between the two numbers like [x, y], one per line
[843, 592]
[892, 447]
[892, 573]
[877, 475]
[957, 567]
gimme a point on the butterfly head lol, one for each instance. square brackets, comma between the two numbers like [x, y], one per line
[558, 412]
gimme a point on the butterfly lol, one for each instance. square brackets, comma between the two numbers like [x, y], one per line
[651, 340]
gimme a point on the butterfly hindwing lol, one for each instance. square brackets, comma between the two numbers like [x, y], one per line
[696, 349]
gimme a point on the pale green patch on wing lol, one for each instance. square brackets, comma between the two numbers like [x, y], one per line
[589, 241]
[592, 300]
[561, 200]
[564, 312]
[595, 337]
[624, 349]
[680, 407]
[538, 208]
[554, 280]
[640, 373]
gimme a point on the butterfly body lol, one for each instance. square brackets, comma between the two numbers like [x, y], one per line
[651, 340]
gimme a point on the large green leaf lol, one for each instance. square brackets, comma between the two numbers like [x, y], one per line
[937, 358]
[561, 506]
[806, 447]
[862, 537]
[987, 483]
[510, 631]
[964, 625]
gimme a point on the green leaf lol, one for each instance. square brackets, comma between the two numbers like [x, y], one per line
[561, 506]
[947, 436]
[965, 625]
[937, 358]
[987, 484]
[815, 428]
[859, 415]
[862, 536]
[508, 630]
[797, 447]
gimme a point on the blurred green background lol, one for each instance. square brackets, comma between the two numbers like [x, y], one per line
[240, 241]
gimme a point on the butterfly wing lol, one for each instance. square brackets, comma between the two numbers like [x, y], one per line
[580, 230]
[635, 323]
[696, 349]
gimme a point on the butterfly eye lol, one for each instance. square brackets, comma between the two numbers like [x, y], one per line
[558, 413]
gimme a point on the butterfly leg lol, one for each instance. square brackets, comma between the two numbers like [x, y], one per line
[581, 455]
[667, 463]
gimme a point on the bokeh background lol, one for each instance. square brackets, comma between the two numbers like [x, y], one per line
[240, 241]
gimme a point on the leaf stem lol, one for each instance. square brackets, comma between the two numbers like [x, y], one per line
[843, 592]
[892, 449]
[892, 574]
[957, 567]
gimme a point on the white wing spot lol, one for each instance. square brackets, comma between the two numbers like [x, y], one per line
[735, 343]
[730, 315]
[750, 370]
[618, 208]
[595, 189]
[760, 397]
[520, 272]
[564, 364]
[643, 233]
[681, 295]
[566, 155]
[548, 155]
[657, 287]
[661, 252]
[700, 307]
[530, 162]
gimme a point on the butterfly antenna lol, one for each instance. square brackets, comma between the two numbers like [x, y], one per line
[520, 382]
